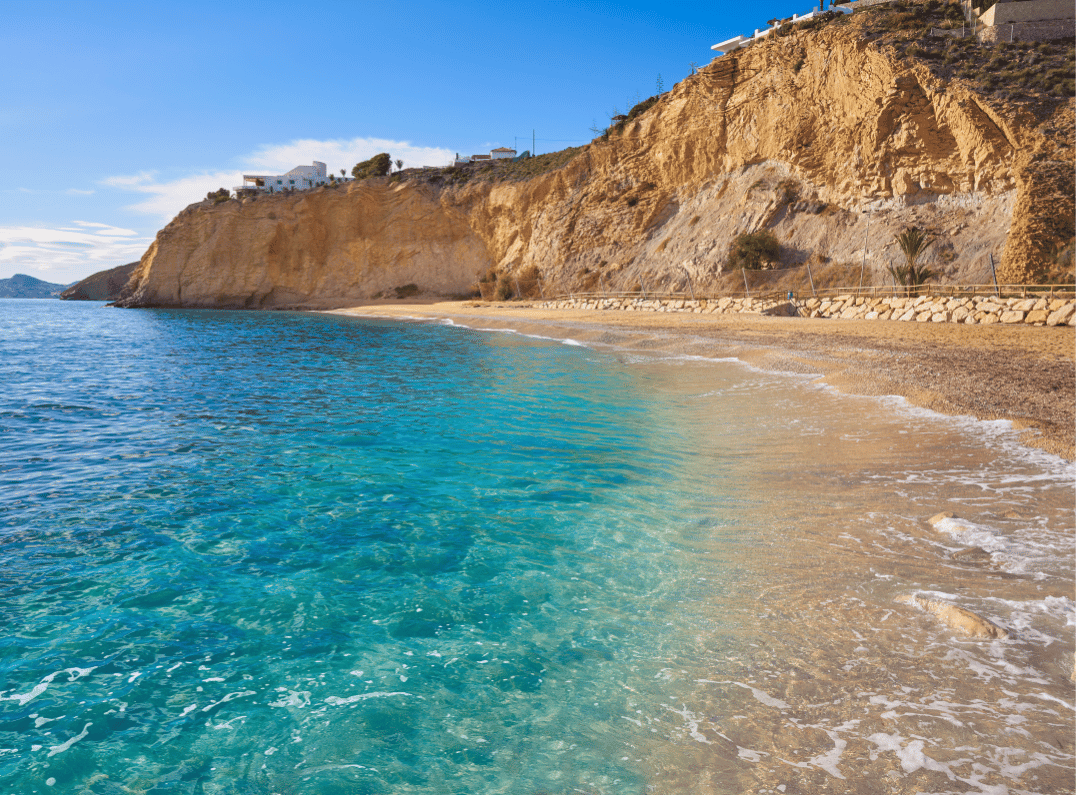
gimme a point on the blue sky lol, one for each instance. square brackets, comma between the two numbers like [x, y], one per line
[116, 115]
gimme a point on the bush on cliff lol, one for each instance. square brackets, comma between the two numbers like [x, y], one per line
[754, 250]
[218, 196]
[376, 166]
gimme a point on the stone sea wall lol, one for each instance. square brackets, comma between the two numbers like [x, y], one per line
[972, 310]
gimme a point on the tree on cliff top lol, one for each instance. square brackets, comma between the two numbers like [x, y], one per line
[376, 166]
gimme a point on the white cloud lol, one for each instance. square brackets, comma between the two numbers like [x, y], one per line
[68, 253]
[165, 199]
[168, 197]
[136, 179]
[68, 191]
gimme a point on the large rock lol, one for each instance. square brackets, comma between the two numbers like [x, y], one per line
[786, 309]
[1061, 315]
[957, 618]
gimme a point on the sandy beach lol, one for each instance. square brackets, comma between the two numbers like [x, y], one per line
[1022, 374]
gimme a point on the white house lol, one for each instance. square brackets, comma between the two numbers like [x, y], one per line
[500, 153]
[298, 178]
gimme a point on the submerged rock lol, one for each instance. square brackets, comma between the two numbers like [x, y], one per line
[937, 518]
[972, 555]
[958, 618]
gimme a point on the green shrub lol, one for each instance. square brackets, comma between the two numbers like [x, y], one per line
[642, 107]
[790, 190]
[753, 250]
[376, 166]
[218, 196]
[505, 289]
[953, 12]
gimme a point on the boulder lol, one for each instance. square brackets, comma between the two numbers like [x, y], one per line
[972, 555]
[786, 309]
[957, 618]
[1061, 315]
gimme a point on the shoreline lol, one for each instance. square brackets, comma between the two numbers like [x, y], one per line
[1025, 374]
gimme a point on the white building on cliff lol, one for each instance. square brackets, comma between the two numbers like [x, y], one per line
[298, 178]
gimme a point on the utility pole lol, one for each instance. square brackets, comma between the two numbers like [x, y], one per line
[534, 149]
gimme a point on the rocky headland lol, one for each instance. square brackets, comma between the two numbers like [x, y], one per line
[106, 285]
[833, 134]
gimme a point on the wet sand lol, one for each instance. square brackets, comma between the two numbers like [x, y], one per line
[1024, 374]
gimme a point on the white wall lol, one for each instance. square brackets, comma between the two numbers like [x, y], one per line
[1032, 10]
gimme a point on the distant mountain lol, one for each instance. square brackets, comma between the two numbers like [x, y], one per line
[102, 286]
[23, 286]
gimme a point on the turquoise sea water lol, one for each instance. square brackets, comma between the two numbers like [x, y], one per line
[285, 553]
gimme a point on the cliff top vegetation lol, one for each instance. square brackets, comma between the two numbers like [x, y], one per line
[504, 170]
[932, 32]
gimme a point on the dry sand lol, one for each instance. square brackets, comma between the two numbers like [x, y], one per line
[1025, 374]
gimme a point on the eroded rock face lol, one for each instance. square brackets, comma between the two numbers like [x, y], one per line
[326, 246]
[835, 157]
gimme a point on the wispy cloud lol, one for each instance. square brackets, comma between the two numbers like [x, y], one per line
[67, 192]
[68, 252]
[165, 198]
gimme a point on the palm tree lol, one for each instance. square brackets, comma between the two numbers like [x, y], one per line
[913, 241]
[399, 165]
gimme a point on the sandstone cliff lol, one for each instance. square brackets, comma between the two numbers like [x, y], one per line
[832, 140]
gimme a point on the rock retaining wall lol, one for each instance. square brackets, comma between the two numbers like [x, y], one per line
[982, 310]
